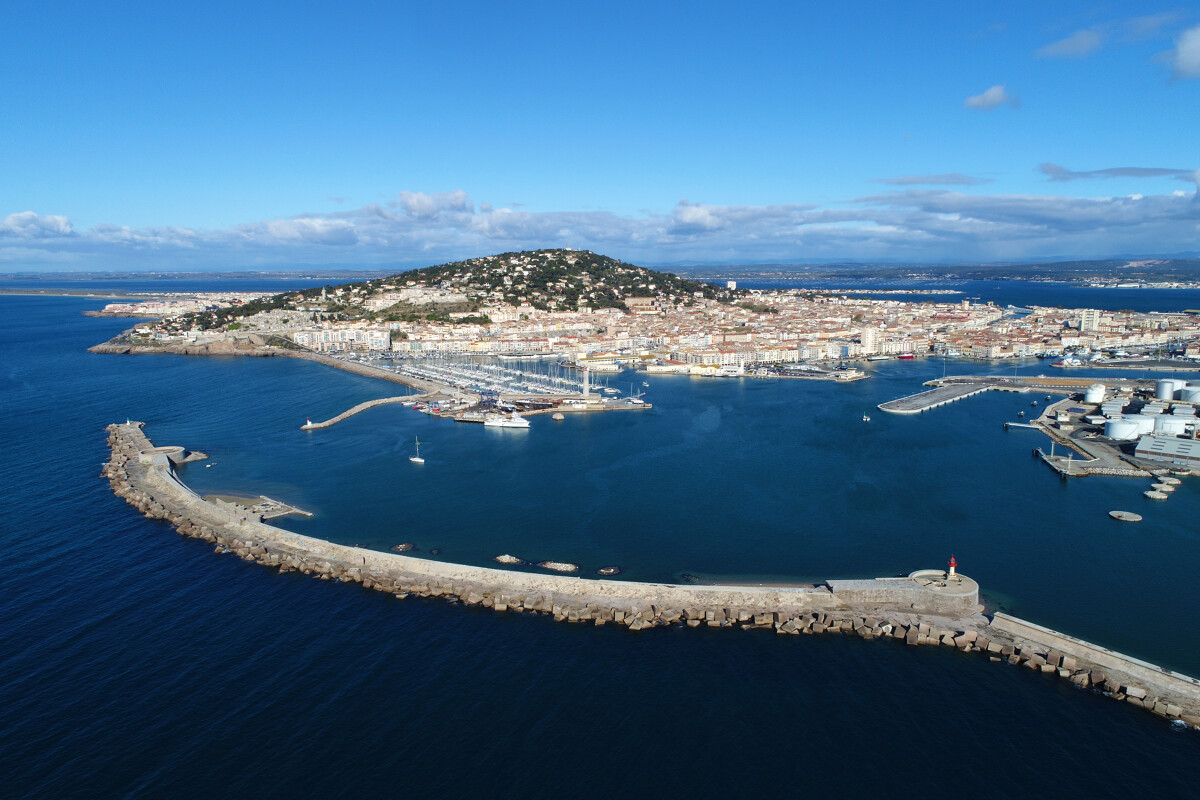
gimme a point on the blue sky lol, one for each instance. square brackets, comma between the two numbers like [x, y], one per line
[219, 136]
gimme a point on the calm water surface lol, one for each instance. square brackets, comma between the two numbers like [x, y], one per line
[136, 663]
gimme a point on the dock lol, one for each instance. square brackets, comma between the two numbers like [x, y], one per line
[933, 398]
[383, 401]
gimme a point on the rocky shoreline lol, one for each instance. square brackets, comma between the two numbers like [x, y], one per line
[912, 610]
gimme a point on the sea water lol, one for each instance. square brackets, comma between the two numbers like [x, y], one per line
[136, 662]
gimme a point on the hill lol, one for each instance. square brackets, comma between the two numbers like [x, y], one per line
[548, 280]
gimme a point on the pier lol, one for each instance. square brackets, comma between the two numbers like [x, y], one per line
[929, 607]
[383, 401]
[958, 387]
[934, 398]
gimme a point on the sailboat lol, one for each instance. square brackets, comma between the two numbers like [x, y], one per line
[417, 458]
[866, 418]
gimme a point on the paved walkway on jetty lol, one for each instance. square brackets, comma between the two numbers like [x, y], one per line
[924, 401]
[383, 401]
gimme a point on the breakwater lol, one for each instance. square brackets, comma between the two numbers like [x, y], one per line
[925, 608]
[383, 401]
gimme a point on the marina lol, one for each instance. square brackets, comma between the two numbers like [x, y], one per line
[475, 376]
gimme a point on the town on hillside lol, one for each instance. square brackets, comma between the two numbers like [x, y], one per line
[601, 312]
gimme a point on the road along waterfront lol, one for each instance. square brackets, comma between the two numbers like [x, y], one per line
[928, 607]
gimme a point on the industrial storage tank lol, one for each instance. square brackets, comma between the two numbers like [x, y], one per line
[1171, 426]
[1094, 393]
[1121, 429]
[1190, 394]
[1144, 423]
[1164, 390]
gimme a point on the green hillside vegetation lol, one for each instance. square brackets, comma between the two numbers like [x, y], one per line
[549, 280]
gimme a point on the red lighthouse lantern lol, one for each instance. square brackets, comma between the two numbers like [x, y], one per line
[953, 565]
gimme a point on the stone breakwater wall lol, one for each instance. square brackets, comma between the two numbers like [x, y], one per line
[1121, 677]
[383, 401]
[156, 492]
[892, 608]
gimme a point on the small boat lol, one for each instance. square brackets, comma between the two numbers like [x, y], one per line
[866, 418]
[417, 458]
[645, 384]
[906, 356]
[1020, 413]
[1034, 403]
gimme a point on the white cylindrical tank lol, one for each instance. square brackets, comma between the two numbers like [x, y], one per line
[1153, 408]
[1190, 394]
[1121, 429]
[1171, 426]
[1179, 385]
[1144, 423]
[1164, 390]
[1094, 393]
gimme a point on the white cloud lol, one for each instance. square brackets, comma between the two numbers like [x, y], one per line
[1186, 56]
[1077, 45]
[429, 206]
[918, 224]
[310, 230]
[28, 225]
[994, 97]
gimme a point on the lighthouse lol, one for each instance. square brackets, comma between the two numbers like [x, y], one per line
[953, 565]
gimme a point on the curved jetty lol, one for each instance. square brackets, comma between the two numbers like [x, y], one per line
[383, 401]
[929, 607]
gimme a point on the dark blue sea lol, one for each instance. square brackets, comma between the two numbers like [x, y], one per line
[137, 663]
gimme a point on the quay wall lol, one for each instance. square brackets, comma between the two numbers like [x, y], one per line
[885, 608]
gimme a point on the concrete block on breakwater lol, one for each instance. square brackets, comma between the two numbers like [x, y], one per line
[926, 608]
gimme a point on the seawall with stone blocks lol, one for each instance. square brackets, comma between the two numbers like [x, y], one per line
[383, 401]
[168, 493]
[1125, 677]
[927, 608]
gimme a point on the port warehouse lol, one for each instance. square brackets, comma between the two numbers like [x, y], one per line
[1169, 449]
